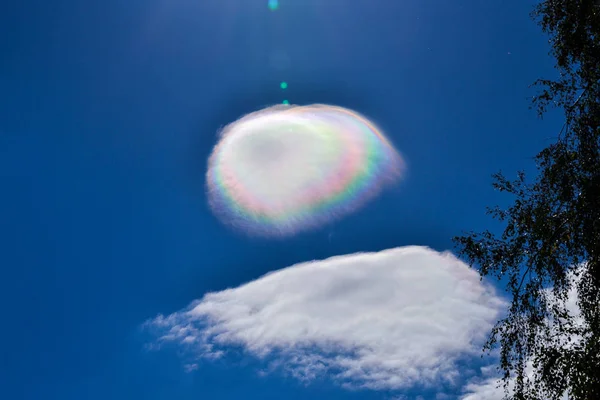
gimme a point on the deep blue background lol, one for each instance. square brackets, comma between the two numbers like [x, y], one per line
[108, 111]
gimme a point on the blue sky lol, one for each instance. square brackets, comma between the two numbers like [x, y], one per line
[109, 110]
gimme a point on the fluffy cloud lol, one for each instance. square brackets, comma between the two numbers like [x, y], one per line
[386, 320]
[488, 388]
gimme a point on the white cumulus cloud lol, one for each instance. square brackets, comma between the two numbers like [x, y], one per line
[387, 320]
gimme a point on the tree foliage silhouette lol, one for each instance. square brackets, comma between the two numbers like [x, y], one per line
[552, 229]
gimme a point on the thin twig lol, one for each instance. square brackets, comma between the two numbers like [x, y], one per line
[535, 256]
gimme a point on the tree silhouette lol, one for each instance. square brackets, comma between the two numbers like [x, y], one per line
[551, 242]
